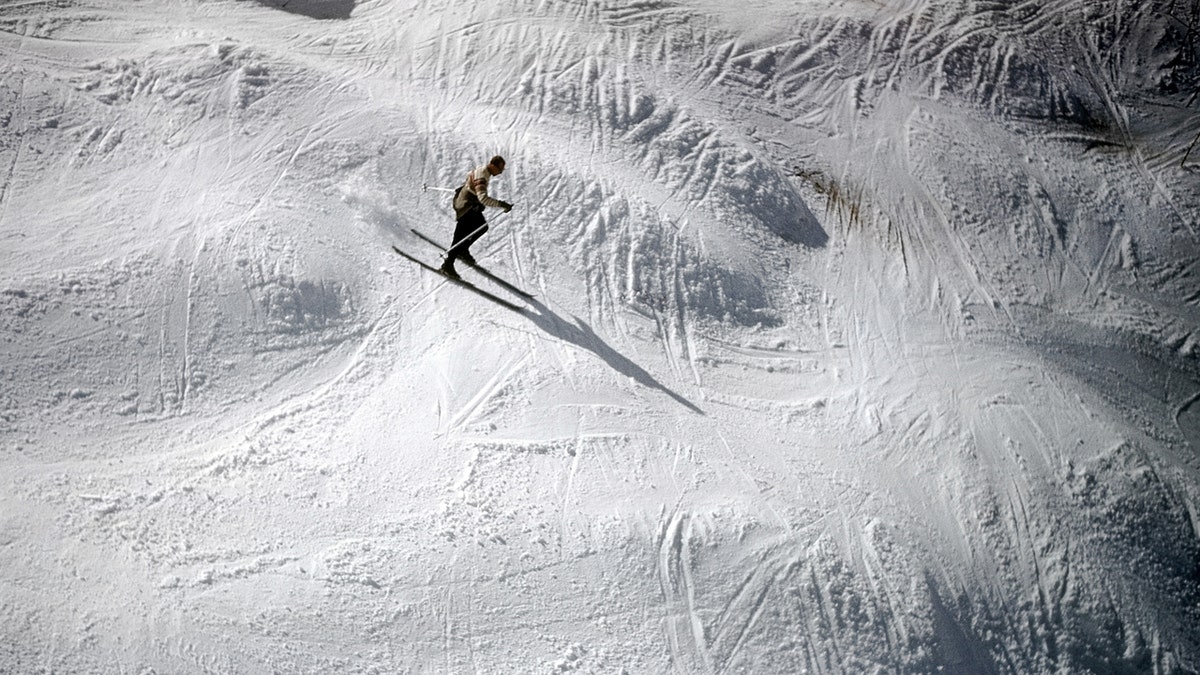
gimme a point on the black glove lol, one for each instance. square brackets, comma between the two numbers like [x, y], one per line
[506, 206]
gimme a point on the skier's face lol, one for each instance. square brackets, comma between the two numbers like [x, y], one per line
[496, 169]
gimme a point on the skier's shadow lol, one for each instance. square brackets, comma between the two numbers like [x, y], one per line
[579, 333]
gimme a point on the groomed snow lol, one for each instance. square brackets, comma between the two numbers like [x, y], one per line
[866, 337]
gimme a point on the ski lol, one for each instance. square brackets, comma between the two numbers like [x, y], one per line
[480, 268]
[464, 284]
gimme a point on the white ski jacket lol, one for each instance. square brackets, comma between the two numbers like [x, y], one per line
[475, 189]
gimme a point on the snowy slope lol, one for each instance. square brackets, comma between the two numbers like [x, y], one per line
[866, 337]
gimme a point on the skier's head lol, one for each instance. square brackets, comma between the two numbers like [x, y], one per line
[496, 166]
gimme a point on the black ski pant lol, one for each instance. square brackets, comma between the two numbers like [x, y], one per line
[467, 231]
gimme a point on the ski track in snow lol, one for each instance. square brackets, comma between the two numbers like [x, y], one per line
[864, 339]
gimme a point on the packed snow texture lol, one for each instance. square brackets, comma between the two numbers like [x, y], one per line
[866, 337]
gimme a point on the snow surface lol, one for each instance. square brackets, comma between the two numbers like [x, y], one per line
[866, 337]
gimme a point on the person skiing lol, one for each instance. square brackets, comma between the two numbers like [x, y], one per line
[470, 200]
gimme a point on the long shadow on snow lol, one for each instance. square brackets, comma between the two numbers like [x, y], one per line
[795, 223]
[581, 334]
[314, 9]
[771, 199]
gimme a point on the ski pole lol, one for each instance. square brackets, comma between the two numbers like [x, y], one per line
[458, 244]
[454, 246]
[434, 187]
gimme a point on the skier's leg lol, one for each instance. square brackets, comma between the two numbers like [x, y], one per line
[464, 251]
[463, 229]
[467, 231]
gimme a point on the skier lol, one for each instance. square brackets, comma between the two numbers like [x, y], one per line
[469, 202]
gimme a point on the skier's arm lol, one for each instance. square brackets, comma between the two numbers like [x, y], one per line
[480, 187]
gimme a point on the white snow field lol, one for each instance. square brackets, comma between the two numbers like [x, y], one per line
[866, 337]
